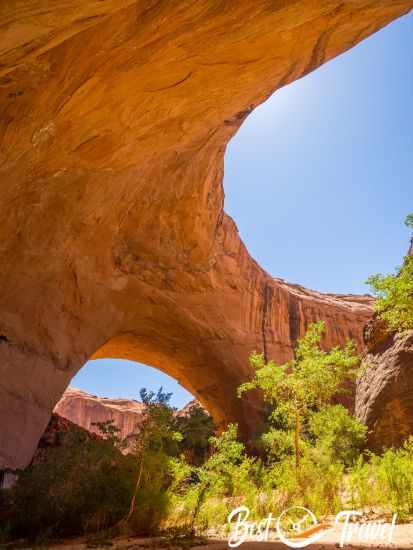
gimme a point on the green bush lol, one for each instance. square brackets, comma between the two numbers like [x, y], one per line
[81, 486]
[362, 484]
[196, 428]
[317, 487]
[394, 293]
[153, 446]
[395, 476]
[395, 296]
[300, 388]
[385, 481]
[338, 435]
[202, 495]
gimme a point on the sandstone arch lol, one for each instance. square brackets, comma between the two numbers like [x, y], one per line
[114, 122]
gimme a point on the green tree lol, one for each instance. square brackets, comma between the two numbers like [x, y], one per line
[196, 428]
[226, 458]
[394, 292]
[304, 385]
[226, 473]
[81, 484]
[109, 431]
[409, 221]
[395, 296]
[153, 447]
[338, 434]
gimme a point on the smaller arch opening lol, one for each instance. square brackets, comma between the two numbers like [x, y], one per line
[109, 390]
[107, 398]
[123, 378]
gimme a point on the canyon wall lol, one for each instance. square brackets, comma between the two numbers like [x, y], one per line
[85, 410]
[384, 396]
[114, 120]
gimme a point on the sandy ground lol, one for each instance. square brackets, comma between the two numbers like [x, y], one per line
[403, 539]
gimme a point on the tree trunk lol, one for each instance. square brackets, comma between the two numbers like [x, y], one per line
[133, 501]
[297, 442]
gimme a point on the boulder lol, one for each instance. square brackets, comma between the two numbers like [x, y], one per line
[384, 395]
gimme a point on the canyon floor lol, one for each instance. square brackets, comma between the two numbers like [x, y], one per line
[403, 539]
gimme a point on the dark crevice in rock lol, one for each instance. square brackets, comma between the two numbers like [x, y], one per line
[293, 319]
[266, 309]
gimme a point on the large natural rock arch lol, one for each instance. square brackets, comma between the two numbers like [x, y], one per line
[114, 120]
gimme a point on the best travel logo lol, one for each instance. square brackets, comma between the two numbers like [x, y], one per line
[298, 527]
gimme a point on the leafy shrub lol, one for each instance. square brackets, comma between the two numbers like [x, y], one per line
[395, 296]
[394, 293]
[395, 476]
[300, 387]
[196, 428]
[339, 435]
[385, 481]
[82, 485]
[153, 447]
[203, 495]
[362, 483]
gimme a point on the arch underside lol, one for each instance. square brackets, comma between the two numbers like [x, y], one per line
[115, 117]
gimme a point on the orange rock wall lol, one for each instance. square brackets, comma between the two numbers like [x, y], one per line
[114, 120]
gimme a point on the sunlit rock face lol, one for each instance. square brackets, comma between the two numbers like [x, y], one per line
[87, 410]
[114, 120]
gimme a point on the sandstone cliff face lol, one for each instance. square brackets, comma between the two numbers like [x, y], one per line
[114, 121]
[384, 396]
[84, 409]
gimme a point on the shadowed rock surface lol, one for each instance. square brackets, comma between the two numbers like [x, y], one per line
[384, 394]
[114, 121]
[384, 397]
[55, 436]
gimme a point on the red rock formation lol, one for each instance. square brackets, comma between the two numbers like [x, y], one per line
[84, 410]
[186, 409]
[114, 120]
[55, 436]
[384, 396]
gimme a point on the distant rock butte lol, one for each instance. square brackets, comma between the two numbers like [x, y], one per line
[114, 121]
[85, 409]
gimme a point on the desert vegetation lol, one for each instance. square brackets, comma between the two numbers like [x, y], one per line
[311, 454]
[394, 292]
[183, 477]
[313, 449]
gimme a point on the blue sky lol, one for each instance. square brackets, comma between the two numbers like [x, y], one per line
[319, 178]
[319, 181]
